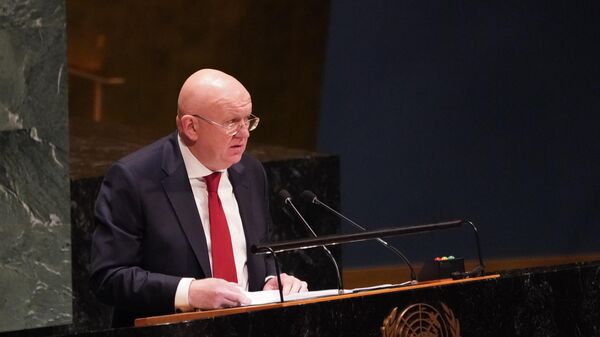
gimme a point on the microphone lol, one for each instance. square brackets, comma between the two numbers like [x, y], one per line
[287, 199]
[312, 198]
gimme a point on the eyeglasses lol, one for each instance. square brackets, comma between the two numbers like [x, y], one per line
[234, 126]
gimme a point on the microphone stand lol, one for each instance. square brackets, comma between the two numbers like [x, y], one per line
[272, 248]
[478, 270]
[278, 271]
[326, 240]
[312, 198]
[288, 201]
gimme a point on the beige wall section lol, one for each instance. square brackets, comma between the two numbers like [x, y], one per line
[369, 276]
[275, 48]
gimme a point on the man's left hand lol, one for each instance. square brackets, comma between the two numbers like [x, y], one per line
[289, 283]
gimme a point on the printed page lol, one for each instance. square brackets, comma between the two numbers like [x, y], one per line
[272, 296]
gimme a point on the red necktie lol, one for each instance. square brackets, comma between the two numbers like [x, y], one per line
[223, 264]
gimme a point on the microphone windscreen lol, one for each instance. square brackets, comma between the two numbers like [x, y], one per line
[308, 196]
[284, 194]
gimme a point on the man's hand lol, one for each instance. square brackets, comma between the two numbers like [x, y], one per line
[214, 293]
[289, 284]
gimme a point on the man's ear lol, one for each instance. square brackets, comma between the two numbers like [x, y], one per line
[187, 128]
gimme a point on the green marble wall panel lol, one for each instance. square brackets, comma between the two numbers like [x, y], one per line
[35, 229]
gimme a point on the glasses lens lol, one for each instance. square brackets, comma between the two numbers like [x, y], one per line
[233, 128]
[253, 123]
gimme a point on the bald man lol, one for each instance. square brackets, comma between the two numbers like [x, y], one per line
[163, 243]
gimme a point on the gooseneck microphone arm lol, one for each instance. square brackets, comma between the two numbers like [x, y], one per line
[287, 198]
[478, 270]
[312, 198]
[476, 232]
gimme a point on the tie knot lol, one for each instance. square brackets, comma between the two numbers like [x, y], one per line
[212, 181]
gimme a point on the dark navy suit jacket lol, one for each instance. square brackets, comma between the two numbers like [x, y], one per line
[149, 235]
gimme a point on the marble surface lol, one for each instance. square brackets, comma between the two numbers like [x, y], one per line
[96, 145]
[550, 301]
[319, 174]
[35, 225]
[88, 313]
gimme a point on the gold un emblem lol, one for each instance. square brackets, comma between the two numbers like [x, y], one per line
[421, 320]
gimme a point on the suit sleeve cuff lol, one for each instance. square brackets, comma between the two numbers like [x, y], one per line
[269, 277]
[182, 303]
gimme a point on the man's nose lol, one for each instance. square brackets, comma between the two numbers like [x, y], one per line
[243, 132]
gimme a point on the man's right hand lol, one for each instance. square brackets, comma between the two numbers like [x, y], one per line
[214, 293]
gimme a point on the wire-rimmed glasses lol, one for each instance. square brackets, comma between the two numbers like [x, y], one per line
[234, 126]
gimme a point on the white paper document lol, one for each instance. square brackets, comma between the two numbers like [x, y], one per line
[382, 286]
[272, 296]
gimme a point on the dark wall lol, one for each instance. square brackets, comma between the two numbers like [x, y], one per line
[480, 110]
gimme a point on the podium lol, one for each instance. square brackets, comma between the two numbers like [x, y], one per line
[546, 301]
[350, 298]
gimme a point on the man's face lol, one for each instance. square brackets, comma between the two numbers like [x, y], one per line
[214, 148]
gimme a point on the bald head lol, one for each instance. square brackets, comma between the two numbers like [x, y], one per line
[208, 101]
[208, 88]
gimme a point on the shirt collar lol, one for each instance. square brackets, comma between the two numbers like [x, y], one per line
[195, 169]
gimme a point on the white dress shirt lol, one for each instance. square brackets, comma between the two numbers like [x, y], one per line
[196, 171]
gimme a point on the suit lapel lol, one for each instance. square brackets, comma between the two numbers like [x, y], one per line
[179, 192]
[242, 188]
